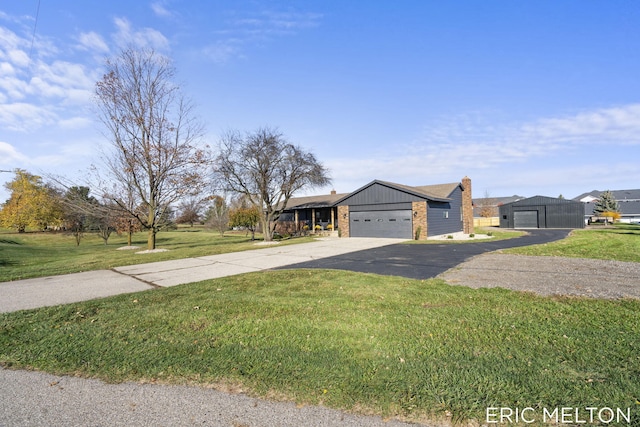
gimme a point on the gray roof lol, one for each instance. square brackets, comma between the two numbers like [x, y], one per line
[495, 201]
[309, 202]
[541, 200]
[619, 195]
[437, 191]
[628, 201]
[626, 207]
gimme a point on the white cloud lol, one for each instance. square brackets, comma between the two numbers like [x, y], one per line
[25, 117]
[160, 10]
[545, 152]
[223, 50]
[74, 123]
[619, 124]
[257, 28]
[9, 155]
[13, 87]
[125, 36]
[92, 42]
[268, 23]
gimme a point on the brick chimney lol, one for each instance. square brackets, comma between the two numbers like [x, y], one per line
[333, 192]
[467, 206]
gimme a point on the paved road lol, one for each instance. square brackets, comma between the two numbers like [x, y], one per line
[37, 399]
[424, 261]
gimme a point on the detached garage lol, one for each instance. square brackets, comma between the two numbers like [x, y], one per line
[542, 212]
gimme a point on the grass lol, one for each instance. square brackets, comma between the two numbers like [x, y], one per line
[421, 350]
[27, 255]
[621, 243]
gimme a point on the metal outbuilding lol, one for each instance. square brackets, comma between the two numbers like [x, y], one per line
[542, 212]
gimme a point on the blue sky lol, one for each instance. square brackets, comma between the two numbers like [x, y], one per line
[525, 97]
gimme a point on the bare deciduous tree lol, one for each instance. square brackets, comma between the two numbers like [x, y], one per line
[218, 215]
[154, 136]
[268, 170]
[190, 210]
[488, 206]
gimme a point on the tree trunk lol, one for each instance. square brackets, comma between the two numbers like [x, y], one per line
[266, 231]
[151, 221]
[151, 241]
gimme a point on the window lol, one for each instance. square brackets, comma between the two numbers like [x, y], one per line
[445, 214]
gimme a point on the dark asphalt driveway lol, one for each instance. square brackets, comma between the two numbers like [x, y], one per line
[424, 261]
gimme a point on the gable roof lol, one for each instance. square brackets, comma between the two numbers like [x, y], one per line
[438, 193]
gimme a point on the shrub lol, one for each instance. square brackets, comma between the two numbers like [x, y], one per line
[330, 227]
[418, 232]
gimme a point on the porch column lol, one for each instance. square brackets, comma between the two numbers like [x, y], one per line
[295, 214]
[333, 225]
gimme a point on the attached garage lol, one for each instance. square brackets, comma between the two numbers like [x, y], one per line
[394, 224]
[542, 212]
[385, 209]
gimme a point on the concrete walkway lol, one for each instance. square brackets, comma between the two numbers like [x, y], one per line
[68, 288]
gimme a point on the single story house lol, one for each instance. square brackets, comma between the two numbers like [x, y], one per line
[628, 203]
[542, 212]
[386, 209]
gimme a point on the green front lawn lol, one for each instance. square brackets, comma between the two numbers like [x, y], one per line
[26, 255]
[422, 350]
[620, 243]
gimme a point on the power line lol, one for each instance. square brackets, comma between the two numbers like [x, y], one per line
[35, 25]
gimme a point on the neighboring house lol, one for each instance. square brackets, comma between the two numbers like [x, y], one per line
[386, 209]
[628, 202]
[542, 212]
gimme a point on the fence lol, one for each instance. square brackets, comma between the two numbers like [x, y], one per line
[493, 221]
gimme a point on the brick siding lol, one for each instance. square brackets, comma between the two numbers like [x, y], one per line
[419, 213]
[343, 220]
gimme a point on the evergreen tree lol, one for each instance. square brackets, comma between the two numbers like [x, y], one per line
[606, 203]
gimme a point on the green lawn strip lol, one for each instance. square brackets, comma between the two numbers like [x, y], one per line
[621, 243]
[361, 342]
[30, 255]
